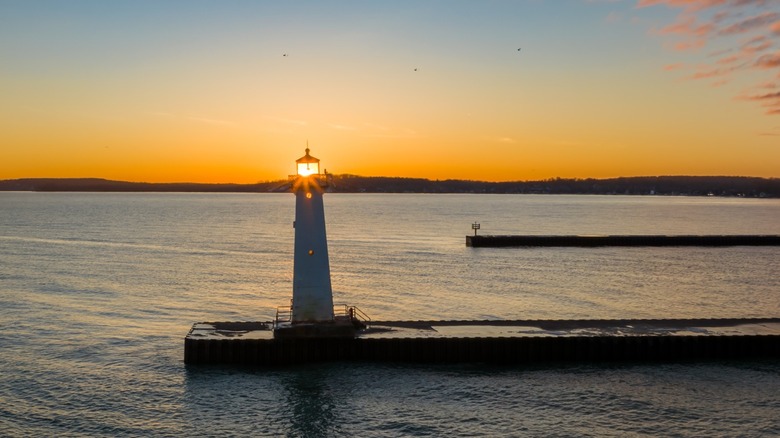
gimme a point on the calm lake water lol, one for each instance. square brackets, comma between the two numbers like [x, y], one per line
[98, 290]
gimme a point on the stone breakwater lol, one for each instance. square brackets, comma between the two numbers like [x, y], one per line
[488, 241]
[499, 342]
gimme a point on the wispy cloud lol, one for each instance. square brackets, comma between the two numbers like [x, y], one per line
[745, 32]
[771, 61]
[697, 5]
[775, 132]
[688, 26]
[758, 22]
[769, 100]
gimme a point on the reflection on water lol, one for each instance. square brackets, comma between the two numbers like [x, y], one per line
[311, 401]
[297, 402]
[473, 400]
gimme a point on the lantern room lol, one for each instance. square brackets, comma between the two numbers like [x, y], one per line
[308, 165]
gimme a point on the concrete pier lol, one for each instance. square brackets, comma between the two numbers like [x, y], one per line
[503, 342]
[622, 240]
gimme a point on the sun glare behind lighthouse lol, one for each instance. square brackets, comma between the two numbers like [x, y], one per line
[306, 169]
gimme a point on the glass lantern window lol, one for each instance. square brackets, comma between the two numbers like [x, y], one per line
[306, 169]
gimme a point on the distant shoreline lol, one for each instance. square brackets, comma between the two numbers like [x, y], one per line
[724, 186]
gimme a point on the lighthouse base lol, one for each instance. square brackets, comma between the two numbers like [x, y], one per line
[329, 329]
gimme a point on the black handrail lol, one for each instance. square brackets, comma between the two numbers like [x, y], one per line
[352, 311]
[284, 314]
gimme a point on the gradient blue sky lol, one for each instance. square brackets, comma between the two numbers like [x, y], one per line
[203, 91]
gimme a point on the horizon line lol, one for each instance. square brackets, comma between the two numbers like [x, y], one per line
[396, 177]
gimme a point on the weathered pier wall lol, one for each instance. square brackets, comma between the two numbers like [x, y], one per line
[494, 350]
[276, 352]
[622, 240]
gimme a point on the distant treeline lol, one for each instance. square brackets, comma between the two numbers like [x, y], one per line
[105, 185]
[655, 185]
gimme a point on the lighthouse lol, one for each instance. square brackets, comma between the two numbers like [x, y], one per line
[311, 313]
[312, 293]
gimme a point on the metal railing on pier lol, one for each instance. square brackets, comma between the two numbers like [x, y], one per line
[283, 315]
[340, 312]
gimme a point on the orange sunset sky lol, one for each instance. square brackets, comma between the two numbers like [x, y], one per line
[231, 91]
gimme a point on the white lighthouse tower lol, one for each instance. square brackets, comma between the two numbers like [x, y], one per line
[312, 293]
[311, 313]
